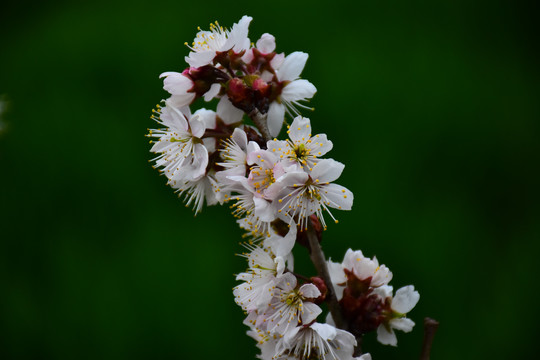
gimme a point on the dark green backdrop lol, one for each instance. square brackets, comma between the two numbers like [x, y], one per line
[432, 106]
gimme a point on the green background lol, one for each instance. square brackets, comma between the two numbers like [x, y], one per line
[432, 106]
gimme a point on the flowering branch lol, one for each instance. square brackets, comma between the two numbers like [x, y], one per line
[319, 260]
[430, 328]
[279, 191]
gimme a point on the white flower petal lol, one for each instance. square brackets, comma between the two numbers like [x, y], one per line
[363, 357]
[212, 92]
[275, 117]
[197, 126]
[309, 291]
[300, 129]
[327, 332]
[266, 44]
[405, 299]
[339, 197]
[327, 170]
[229, 113]
[403, 324]
[386, 337]
[292, 66]
[298, 90]
[264, 210]
[208, 117]
[176, 83]
[310, 312]
[239, 136]
[198, 59]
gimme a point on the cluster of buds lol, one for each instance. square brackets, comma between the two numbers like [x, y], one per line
[278, 191]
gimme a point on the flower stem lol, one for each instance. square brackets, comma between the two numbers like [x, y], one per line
[319, 260]
[260, 121]
[430, 327]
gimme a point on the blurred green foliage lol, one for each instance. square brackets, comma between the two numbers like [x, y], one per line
[432, 106]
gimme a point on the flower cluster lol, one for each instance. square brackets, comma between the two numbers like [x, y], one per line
[366, 300]
[278, 190]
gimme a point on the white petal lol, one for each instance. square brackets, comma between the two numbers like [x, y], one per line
[200, 160]
[363, 357]
[327, 170]
[208, 117]
[275, 117]
[176, 83]
[277, 61]
[403, 324]
[266, 44]
[339, 197]
[264, 210]
[320, 145]
[386, 337]
[197, 126]
[292, 66]
[282, 246]
[212, 92]
[181, 100]
[405, 299]
[300, 129]
[384, 291]
[198, 59]
[350, 258]
[327, 332]
[229, 113]
[210, 144]
[310, 312]
[239, 136]
[298, 90]
[239, 33]
[309, 291]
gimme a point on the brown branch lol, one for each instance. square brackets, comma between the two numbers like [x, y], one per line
[319, 260]
[430, 327]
